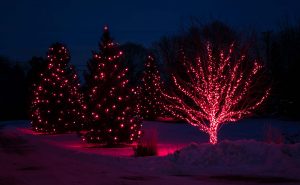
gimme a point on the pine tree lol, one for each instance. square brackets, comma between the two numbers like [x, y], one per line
[57, 104]
[150, 97]
[111, 103]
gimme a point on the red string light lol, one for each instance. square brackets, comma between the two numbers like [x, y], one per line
[151, 100]
[57, 104]
[107, 96]
[216, 92]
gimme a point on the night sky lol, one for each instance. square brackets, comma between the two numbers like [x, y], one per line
[28, 27]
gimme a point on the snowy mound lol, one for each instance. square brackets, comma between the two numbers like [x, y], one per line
[239, 157]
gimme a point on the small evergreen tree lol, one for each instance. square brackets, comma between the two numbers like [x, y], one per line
[111, 103]
[57, 105]
[150, 97]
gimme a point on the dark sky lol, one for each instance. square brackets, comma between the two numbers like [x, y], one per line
[28, 27]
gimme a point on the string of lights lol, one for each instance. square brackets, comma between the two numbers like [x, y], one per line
[217, 91]
[110, 99]
[58, 105]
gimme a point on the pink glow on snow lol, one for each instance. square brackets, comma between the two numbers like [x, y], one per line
[29, 131]
[165, 119]
[72, 142]
[125, 151]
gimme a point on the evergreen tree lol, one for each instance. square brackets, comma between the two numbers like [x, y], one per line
[57, 105]
[111, 103]
[150, 98]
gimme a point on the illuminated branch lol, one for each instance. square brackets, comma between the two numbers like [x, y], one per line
[217, 91]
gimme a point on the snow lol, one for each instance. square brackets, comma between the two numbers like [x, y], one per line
[185, 157]
[244, 157]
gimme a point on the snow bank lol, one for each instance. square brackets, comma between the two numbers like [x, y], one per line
[243, 157]
[29, 158]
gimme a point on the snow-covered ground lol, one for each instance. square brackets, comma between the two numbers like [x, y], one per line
[185, 157]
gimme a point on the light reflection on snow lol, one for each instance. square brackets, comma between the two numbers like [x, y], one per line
[73, 142]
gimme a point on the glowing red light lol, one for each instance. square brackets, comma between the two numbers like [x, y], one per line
[218, 89]
[106, 87]
[54, 89]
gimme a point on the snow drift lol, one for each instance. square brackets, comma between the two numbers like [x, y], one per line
[244, 157]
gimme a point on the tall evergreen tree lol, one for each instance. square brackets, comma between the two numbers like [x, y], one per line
[57, 105]
[110, 99]
[150, 98]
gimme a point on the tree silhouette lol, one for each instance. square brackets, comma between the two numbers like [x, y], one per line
[133, 54]
[13, 90]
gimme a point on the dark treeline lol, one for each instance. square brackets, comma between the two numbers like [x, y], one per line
[15, 83]
[13, 90]
[279, 51]
[283, 59]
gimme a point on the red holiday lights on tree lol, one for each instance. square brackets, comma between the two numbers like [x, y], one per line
[57, 104]
[150, 97]
[111, 103]
[219, 89]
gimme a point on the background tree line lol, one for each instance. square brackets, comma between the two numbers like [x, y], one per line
[279, 50]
